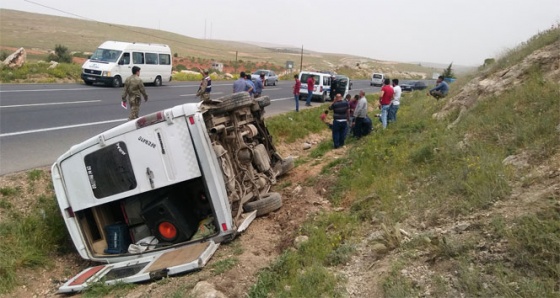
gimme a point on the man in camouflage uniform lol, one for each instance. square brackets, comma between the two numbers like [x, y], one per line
[134, 89]
[205, 86]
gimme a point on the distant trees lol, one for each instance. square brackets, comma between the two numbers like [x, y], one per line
[448, 72]
[61, 54]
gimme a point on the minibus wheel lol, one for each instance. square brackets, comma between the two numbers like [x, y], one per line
[157, 81]
[116, 82]
[269, 202]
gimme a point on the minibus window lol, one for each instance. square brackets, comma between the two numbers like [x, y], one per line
[110, 171]
[137, 58]
[164, 59]
[125, 59]
[151, 58]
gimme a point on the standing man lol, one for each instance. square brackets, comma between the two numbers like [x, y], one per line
[340, 120]
[310, 87]
[440, 90]
[250, 85]
[385, 101]
[334, 86]
[262, 79]
[258, 86]
[205, 86]
[360, 113]
[297, 86]
[395, 102]
[133, 90]
[240, 84]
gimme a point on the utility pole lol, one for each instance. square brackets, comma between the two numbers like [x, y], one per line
[204, 28]
[235, 65]
[301, 60]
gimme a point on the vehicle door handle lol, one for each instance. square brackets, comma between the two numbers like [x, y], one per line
[150, 176]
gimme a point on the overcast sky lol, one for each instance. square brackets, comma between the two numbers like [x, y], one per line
[461, 31]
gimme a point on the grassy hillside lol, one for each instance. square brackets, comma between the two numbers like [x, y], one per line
[39, 33]
[434, 209]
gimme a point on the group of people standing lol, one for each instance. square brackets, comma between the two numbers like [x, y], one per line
[349, 116]
[245, 83]
[389, 101]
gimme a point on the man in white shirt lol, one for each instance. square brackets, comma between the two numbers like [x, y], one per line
[395, 102]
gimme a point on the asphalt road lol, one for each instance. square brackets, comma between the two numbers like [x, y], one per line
[38, 123]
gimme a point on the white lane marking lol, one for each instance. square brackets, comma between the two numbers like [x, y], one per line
[277, 99]
[39, 90]
[84, 124]
[192, 86]
[195, 94]
[266, 89]
[48, 104]
[59, 128]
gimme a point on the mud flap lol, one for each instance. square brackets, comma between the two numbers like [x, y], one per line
[169, 262]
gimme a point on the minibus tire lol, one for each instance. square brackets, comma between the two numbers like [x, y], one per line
[287, 164]
[263, 101]
[232, 102]
[157, 81]
[269, 202]
[116, 82]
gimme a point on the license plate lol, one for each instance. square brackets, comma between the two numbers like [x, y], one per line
[91, 78]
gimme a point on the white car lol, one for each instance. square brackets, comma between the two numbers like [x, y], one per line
[270, 77]
[321, 88]
[377, 79]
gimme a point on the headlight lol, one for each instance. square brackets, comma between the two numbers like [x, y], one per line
[106, 74]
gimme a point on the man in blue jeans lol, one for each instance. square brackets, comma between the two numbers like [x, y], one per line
[310, 88]
[297, 86]
[341, 115]
[385, 98]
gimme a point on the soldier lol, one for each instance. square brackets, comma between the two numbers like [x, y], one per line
[205, 86]
[133, 89]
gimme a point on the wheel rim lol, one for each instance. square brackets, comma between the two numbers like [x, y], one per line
[116, 82]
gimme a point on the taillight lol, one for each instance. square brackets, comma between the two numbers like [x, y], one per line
[321, 90]
[224, 226]
[150, 119]
[191, 120]
[167, 230]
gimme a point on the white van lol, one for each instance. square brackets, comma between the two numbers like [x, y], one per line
[156, 196]
[321, 89]
[112, 63]
[377, 79]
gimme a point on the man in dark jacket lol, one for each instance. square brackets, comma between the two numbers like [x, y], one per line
[341, 114]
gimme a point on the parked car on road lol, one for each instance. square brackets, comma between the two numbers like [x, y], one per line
[406, 86]
[418, 85]
[414, 85]
[377, 79]
[321, 89]
[270, 78]
[344, 85]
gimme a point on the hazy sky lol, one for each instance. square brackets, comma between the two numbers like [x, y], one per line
[461, 31]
